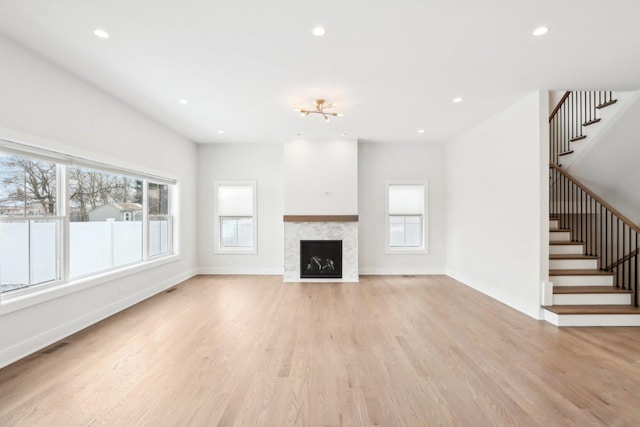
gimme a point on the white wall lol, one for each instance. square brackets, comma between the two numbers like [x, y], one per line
[496, 188]
[379, 163]
[554, 98]
[46, 106]
[321, 176]
[609, 167]
[260, 162]
[376, 164]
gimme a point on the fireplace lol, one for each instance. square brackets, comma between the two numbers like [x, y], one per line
[320, 259]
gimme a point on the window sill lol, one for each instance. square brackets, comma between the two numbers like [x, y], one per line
[406, 251]
[40, 294]
[230, 251]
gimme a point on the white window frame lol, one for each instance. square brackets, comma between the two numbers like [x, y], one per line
[424, 247]
[37, 293]
[252, 250]
[169, 217]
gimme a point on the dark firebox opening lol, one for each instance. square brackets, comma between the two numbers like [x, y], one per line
[321, 259]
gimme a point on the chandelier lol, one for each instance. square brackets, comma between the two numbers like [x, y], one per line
[321, 108]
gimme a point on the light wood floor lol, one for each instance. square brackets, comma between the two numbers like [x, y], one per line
[390, 351]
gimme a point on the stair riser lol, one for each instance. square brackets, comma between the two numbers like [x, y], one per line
[553, 223]
[592, 299]
[566, 249]
[560, 236]
[573, 264]
[600, 280]
[592, 319]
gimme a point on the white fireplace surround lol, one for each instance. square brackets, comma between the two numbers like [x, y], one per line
[294, 232]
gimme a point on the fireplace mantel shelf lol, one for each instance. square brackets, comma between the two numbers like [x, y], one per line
[320, 218]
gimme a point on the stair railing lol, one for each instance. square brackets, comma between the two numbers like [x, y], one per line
[575, 110]
[605, 232]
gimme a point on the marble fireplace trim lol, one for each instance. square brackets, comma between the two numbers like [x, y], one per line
[316, 230]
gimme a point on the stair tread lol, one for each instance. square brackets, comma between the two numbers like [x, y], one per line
[580, 272]
[593, 309]
[559, 230]
[589, 290]
[606, 104]
[572, 256]
[577, 138]
[591, 122]
[564, 153]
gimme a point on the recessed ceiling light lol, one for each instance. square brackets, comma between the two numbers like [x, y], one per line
[183, 101]
[101, 33]
[319, 31]
[220, 131]
[457, 99]
[540, 31]
[344, 134]
[420, 130]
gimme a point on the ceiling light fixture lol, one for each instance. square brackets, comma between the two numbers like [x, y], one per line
[540, 31]
[321, 108]
[221, 131]
[183, 101]
[319, 31]
[457, 100]
[420, 130]
[101, 33]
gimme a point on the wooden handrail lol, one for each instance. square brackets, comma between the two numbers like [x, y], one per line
[613, 210]
[555, 110]
[622, 260]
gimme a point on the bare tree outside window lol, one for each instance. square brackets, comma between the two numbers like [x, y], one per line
[29, 187]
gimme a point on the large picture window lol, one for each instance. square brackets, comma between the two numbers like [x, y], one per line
[406, 207]
[105, 214]
[61, 219]
[160, 221]
[29, 225]
[235, 216]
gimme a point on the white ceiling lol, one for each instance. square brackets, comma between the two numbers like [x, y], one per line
[394, 67]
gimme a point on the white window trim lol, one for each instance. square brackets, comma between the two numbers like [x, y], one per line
[170, 217]
[424, 249]
[218, 249]
[35, 294]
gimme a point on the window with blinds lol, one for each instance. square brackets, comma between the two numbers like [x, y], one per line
[236, 216]
[406, 207]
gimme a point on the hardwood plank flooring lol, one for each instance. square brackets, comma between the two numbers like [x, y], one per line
[389, 351]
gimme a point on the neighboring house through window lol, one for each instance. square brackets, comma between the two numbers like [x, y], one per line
[64, 218]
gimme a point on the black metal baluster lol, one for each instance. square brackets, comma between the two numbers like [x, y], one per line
[582, 115]
[629, 261]
[635, 262]
[619, 242]
[621, 255]
[606, 238]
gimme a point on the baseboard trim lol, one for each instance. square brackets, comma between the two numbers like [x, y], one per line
[534, 312]
[398, 271]
[243, 271]
[40, 341]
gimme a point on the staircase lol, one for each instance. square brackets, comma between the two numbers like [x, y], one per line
[583, 294]
[593, 248]
[570, 122]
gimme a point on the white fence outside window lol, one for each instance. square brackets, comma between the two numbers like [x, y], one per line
[93, 246]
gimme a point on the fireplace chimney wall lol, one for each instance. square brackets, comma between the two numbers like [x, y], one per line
[321, 176]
